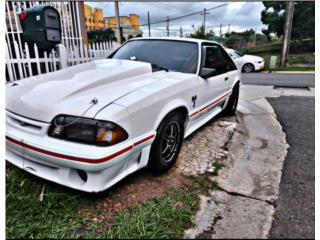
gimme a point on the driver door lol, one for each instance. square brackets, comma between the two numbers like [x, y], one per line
[215, 85]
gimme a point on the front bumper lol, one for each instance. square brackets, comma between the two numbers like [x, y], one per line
[60, 161]
[259, 66]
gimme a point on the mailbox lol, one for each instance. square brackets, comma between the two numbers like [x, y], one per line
[41, 25]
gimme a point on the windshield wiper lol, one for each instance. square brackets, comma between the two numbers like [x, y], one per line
[159, 67]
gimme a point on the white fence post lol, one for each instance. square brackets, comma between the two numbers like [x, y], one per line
[63, 56]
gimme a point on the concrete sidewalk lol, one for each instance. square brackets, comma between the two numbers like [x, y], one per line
[249, 183]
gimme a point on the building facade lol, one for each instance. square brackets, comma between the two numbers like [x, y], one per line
[130, 25]
[93, 18]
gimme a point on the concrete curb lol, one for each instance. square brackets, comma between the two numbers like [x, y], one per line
[250, 181]
[292, 72]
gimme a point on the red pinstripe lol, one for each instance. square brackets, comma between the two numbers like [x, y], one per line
[79, 159]
[209, 105]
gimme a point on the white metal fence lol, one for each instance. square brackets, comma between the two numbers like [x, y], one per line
[24, 61]
[27, 65]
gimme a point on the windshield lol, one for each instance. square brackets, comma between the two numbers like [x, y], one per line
[162, 54]
[238, 54]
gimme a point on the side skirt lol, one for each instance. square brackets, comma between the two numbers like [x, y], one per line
[202, 120]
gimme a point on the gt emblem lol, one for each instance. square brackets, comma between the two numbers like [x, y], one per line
[194, 99]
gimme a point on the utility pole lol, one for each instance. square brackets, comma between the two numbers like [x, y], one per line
[149, 24]
[220, 29]
[228, 28]
[205, 12]
[287, 34]
[204, 20]
[181, 34]
[168, 34]
[118, 33]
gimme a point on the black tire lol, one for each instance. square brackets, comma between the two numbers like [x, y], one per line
[167, 144]
[248, 68]
[231, 107]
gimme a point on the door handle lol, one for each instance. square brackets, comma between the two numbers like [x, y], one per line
[226, 78]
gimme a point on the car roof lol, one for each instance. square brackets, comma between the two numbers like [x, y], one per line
[174, 39]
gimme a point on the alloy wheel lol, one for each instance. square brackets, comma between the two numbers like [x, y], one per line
[170, 141]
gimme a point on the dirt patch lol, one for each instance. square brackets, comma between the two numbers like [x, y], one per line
[198, 154]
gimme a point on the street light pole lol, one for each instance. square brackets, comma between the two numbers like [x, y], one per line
[149, 24]
[116, 10]
[168, 34]
[287, 34]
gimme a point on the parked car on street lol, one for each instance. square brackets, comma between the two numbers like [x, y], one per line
[247, 63]
[90, 125]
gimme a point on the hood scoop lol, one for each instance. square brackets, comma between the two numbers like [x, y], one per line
[69, 91]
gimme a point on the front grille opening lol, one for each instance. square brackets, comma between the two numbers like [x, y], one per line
[78, 177]
[83, 175]
[24, 124]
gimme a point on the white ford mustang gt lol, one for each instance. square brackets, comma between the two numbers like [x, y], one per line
[90, 125]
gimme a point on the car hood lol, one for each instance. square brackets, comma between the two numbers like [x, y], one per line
[252, 58]
[71, 90]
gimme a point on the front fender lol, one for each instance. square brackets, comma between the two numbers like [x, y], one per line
[169, 107]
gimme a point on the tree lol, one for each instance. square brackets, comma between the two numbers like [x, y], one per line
[101, 35]
[241, 39]
[303, 19]
[200, 34]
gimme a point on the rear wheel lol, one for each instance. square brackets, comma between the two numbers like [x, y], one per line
[247, 68]
[166, 147]
[231, 107]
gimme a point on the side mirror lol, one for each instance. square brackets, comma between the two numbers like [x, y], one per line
[207, 72]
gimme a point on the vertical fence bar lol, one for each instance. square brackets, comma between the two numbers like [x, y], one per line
[79, 30]
[36, 53]
[16, 49]
[86, 53]
[26, 47]
[18, 31]
[46, 61]
[11, 78]
[71, 29]
[54, 60]
[64, 32]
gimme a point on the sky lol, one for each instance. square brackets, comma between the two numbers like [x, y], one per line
[240, 15]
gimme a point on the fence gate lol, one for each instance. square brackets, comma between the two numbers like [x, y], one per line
[24, 61]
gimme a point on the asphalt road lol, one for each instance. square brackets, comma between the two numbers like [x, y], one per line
[279, 79]
[295, 207]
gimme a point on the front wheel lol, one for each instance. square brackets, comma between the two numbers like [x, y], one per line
[166, 147]
[248, 67]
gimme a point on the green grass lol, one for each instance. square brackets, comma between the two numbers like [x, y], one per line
[58, 216]
[294, 68]
[296, 47]
[26, 217]
[166, 217]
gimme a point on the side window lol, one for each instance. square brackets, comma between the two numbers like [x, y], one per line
[230, 66]
[217, 58]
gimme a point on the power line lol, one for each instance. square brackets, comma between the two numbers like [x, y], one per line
[186, 15]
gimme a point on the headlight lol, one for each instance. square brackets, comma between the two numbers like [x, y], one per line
[85, 130]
